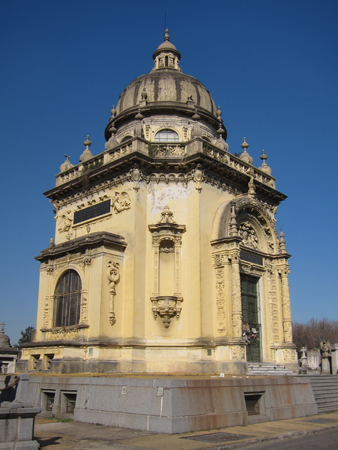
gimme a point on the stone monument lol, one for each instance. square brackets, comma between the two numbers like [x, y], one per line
[326, 351]
[165, 244]
[17, 420]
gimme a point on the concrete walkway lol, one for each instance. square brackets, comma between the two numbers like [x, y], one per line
[54, 435]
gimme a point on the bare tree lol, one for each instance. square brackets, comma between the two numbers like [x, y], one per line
[314, 331]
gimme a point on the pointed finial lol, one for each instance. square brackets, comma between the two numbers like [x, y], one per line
[166, 34]
[196, 116]
[2, 327]
[113, 111]
[219, 113]
[112, 129]
[139, 116]
[87, 142]
[233, 222]
[282, 246]
[87, 154]
[263, 157]
[167, 215]
[244, 145]
[264, 167]
[245, 155]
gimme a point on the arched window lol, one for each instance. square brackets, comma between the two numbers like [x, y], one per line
[67, 300]
[166, 136]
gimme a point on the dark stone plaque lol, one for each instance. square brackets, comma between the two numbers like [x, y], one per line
[251, 258]
[91, 212]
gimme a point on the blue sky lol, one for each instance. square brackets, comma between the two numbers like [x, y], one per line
[272, 66]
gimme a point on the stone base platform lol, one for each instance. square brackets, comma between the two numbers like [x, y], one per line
[170, 404]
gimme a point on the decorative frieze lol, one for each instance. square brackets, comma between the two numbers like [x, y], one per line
[61, 334]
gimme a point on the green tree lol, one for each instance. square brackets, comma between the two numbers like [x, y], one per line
[26, 336]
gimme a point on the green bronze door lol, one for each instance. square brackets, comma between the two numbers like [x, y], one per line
[251, 326]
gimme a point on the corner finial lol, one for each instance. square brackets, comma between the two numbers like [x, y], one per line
[166, 34]
[87, 154]
[282, 246]
[233, 222]
[245, 155]
[219, 113]
[264, 167]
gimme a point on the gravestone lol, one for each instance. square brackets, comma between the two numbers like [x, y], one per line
[17, 420]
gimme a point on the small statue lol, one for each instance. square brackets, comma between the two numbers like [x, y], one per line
[325, 348]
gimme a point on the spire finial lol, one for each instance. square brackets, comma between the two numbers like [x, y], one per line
[282, 246]
[264, 167]
[2, 327]
[87, 142]
[245, 155]
[166, 34]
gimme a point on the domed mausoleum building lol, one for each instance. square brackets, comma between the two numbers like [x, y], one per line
[166, 257]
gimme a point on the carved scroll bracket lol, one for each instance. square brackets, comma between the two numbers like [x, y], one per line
[113, 274]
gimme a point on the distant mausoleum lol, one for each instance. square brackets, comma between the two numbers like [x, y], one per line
[166, 257]
[8, 354]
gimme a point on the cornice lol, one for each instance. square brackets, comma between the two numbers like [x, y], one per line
[93, 240]
[163, 169]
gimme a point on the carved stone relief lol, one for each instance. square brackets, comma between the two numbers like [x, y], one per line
[120, 202]
[238, 353]
[47, 313]
[220, 301]
[248, 234]
[65, 222]
[84, 307]
[198, 177]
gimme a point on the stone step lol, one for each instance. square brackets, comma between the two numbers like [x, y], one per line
[270, 369]
[324, 388]
[325, 391]
[328, 405]
[326, 395]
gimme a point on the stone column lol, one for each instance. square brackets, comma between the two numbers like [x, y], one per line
[287, 323]
[178, 267]
[219, 259]
[236, 296]
[156, 259]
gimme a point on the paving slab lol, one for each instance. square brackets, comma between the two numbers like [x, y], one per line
[53, 434]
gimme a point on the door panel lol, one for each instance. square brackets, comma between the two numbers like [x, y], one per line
[251, 326]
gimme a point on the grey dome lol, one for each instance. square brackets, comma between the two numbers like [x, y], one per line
[166, 85]
[165, 90]
[4, 340]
